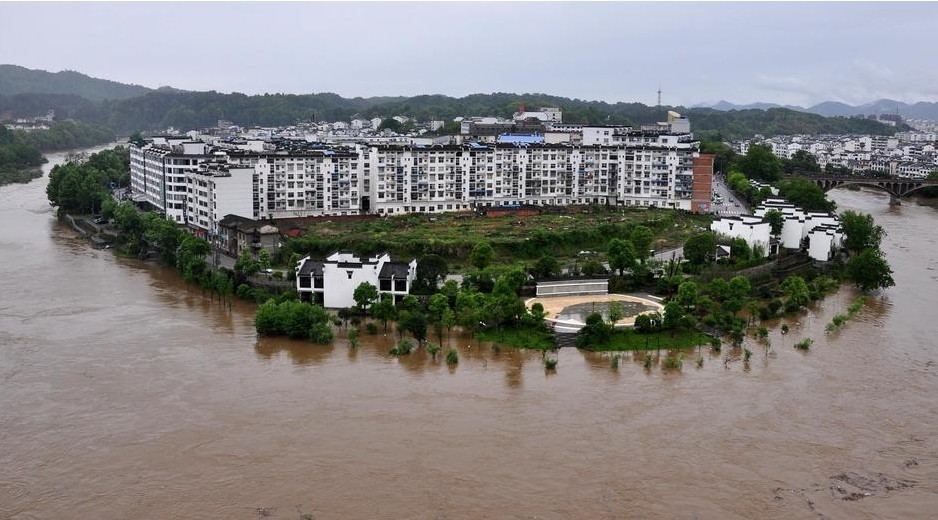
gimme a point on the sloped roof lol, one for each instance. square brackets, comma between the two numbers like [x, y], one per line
[310, 268]
[395, 270]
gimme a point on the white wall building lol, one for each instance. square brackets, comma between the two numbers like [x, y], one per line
[158, 173]
[216, 190]
[818, 233]
[333, 281]
[754, 230]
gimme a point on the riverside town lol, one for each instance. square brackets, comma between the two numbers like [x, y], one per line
[277, 272]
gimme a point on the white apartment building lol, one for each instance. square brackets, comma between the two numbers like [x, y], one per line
[293, 179]
[332, 282]
[158, 173]
[216, 190]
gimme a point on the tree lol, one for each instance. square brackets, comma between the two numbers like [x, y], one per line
[437, 307]
[739, 250]
[687, 294]
[760, 163]
[246, 265]
[430, 268]
[621, 254]
[481, 255]
[802, 160]
[615, 312]
[700, 248]
[725, 155]
[593, 267]
[392, 124]
[263, 259]
[546, 267]
[136, 138]
[672, 315]
[776, 220]
[860, 231]
[365, 295]
[415, 323]
[469, 304]
[796, 289]
[641, 237]
[869, 271]
[384, 310]
[805, 193]
[510, 282]
[739, 287]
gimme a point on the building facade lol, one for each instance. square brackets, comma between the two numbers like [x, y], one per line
[197, 184]
[332, 282]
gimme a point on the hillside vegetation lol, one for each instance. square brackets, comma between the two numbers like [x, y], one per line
[127, 108]
[20, 80]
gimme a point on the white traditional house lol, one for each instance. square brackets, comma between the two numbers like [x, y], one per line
[818, 233]
[332, 282]
[754, 230]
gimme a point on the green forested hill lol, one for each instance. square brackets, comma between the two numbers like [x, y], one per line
[20, 80]
[151, 110]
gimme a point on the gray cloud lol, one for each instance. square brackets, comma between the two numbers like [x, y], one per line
[797, 53]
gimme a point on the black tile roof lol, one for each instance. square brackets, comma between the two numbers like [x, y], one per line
[311, 268]
[395, 270]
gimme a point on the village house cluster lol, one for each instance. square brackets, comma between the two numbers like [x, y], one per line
[910, 155]
[816, 233]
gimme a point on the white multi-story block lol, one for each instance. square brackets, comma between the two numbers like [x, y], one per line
[158, 173]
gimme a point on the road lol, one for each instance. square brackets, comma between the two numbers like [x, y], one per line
[732, 205]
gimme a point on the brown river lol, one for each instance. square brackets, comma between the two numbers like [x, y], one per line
[125, 394]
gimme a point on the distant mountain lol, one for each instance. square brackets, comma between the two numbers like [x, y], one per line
[724, 105]
[833, 109]
[920, 110]
[20, 80]
[127, 108]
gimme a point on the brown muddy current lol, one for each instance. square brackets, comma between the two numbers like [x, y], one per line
[125, 394]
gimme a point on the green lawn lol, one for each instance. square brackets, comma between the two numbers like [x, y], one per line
[629, 339]
[514, 238]
[519, 338]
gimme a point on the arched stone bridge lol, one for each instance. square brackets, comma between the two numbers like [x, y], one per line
[894, 186]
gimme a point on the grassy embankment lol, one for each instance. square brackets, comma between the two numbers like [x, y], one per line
[513, 238]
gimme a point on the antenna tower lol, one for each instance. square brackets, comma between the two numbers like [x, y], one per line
[659, 97]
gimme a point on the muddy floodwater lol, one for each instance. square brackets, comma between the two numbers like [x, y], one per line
[125, 394]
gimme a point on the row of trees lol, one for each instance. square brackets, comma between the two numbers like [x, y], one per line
[867, 266]
[82, 185]
[17, 157]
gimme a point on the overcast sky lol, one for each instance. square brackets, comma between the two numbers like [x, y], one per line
[798, 53]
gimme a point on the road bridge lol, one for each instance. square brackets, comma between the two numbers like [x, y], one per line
[896, 187]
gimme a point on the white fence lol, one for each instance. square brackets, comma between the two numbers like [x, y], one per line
[570, 287]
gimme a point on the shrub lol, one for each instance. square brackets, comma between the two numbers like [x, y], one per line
[785, 328]
[762, 332]
[716, 344]
[371, 329]
[452, 356]
[648, 360]
[775, 305]
[353, 338]
[550, 363]
[320, 333]
[804, 344]
[403, 348]
[746, 355]
[614, 364]
[674, 362]
[433, 349]
[700, 361]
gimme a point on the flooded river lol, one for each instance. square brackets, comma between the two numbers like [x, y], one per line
[125, 394]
